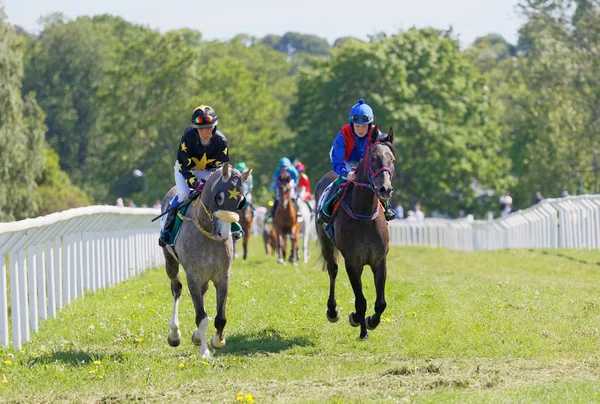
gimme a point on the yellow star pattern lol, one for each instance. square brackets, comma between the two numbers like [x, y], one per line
[179, 166]
[225, 151]
[233, 194]
[201, 164]
[183, 147]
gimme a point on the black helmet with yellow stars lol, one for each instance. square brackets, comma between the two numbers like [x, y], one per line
[204, 117]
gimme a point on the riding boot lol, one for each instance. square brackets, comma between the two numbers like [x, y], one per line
[236, 231]
[324, 214]
[390, 214]
[165, 235]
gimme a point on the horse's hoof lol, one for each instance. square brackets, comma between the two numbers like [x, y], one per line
[205, 355]
[369, 325]
[216, 342]
[364, 336]
[335, 318]
[173, 342]
[295, 263]
[196, 338]
[281, 261]
[351, 320]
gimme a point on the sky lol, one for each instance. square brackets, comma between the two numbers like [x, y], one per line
[223, 19]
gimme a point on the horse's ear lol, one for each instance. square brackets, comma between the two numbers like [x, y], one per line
[246, 175]
[390, 137]
[374, 134]
[226, 172]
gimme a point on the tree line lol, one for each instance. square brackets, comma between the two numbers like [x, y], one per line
[86, 101]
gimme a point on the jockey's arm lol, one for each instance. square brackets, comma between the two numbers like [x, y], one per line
[337, 156]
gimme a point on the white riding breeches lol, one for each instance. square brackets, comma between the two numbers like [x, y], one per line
[183, 189]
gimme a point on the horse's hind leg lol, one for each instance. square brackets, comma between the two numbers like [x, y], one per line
[379, 273]
[172, 267]
[360, 303]
[199, 335]
[222, 287]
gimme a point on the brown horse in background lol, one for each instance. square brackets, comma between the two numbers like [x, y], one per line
[360, 231]
[269, 238]
[285, 220]
[246, 223]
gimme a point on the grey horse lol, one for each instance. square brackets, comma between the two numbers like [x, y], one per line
[205, 250]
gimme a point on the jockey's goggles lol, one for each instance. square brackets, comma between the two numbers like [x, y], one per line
[203, 119]
[360, 118]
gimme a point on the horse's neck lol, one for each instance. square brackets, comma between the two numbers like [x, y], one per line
[364, 201]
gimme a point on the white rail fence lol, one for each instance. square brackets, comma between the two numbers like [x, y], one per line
[571, 222]
[55, 259]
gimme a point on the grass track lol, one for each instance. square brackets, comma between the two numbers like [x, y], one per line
[507, 326]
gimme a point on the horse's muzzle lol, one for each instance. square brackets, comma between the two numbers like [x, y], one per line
[385, 193]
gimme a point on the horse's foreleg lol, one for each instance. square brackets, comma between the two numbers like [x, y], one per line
[281, 242]
[380, 274]
[222, 288]
[199, 336]
[305, 239]
[246, 236]
[360, 303]
[172, 267]
[294, 248]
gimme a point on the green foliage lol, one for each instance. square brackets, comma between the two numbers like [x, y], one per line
[421, 84]
[521, 324]
[21, 132]
[549, 114]
[55, 191]
[66, 71]
[297, 42]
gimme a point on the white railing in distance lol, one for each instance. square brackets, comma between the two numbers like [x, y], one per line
[571, 222]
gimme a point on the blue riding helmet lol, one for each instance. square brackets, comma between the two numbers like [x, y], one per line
[284, 162]
[361, 113]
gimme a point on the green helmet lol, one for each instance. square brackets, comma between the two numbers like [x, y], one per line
[241, 167]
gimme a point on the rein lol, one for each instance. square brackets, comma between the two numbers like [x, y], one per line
[196, 222]
[371, 174]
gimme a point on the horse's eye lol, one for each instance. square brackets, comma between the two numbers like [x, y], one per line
[220, 198]
[241, 203]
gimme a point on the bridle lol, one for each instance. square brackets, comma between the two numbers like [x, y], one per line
[371, 174]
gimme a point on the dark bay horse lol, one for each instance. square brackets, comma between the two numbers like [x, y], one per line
[360, 230]
[205, 250]
[285, 220]
[246, 223]
[269, 238]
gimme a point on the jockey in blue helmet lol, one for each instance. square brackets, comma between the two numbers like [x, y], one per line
[284, 165]
[349, 147]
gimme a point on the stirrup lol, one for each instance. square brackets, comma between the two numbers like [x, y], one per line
[323, 218]
[389, 215]
[165, 238]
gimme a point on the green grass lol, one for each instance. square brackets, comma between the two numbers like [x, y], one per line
[506, 326]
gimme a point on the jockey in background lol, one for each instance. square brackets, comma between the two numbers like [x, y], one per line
[303, 187]
[248, 185]
[349, 147]
[284, 165]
